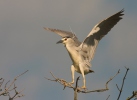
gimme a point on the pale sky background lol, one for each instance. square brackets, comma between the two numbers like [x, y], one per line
[25, 45]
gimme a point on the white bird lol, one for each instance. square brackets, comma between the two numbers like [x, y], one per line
[81, 53]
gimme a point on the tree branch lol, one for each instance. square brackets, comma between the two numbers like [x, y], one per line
[7, 89]
[120, 90]
[75, 90]
[66, 84]
[108, 97]
[134, 94]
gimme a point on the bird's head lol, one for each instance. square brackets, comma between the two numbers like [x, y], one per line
[66, 40]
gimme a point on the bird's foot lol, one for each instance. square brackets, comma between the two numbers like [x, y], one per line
[83, 87]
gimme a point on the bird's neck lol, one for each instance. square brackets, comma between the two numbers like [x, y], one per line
[73, 53]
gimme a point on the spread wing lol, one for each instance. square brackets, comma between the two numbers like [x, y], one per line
[88, 46]
[61, 32]
[65, 34]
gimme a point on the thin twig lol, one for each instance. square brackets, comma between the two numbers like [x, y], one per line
[7, 89]
[108, 97]
[61, 81]
[134, 94]
[120, 91]
[112, 78]
[16, 79]
[17, 94]
[1, 82]
[118, 88]
[105, 89]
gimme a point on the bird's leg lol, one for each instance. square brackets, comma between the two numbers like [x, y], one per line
[72, 73]
[84, 80]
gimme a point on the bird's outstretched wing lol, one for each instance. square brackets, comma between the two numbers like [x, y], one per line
[88, 46]
[65, 34]
[61, 32]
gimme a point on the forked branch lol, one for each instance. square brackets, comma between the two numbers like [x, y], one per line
[120, 90]
[134, 94]
[66, 84]
[11, 87]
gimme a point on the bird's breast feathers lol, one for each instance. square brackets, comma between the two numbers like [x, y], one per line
[74, 55]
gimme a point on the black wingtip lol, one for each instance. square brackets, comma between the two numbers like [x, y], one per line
[120, 13]
[122, 10]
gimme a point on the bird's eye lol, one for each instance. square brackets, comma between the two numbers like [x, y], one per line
[65, 39]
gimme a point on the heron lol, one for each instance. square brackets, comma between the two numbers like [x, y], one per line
[82, 53]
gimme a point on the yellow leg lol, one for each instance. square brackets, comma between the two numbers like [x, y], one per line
[82, 72]
[84, 82]
[72, 73]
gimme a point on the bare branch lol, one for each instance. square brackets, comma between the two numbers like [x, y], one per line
[16, 79]
[1, 82]
[6, 85]
[61, 81]
[120, 90]
[118, 87]
[7, 89]
[112, 78]
[17, 94]
[134, 94]
[105, 89]
[77, 82]
[66, 84]
[108, 97]
[76, 89]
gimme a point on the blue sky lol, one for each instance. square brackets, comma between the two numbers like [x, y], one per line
[25, 45]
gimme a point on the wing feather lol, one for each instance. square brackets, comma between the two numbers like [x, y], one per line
[61, 32]
[65, 34]
[89, 45]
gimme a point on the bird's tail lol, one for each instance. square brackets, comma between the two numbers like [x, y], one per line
[91, 71]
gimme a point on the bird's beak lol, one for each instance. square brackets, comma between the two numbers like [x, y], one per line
[60, 41]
